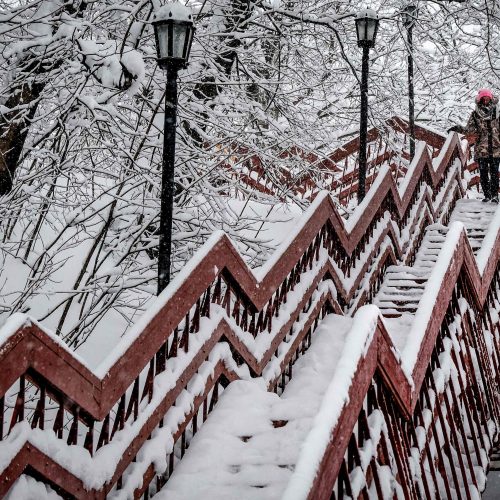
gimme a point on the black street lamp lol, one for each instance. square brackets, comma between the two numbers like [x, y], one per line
[409, 15]
[366, 30]
[174, 30]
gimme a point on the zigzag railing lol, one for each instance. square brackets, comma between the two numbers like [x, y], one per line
[429, 423]
[336, 171]
[217, 321]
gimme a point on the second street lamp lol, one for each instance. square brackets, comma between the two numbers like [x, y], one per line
[174, 30]
[366, 30]
[409, 15]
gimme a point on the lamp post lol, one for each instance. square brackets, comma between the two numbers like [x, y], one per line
[174, 30]
[366, 30]
[409, 15]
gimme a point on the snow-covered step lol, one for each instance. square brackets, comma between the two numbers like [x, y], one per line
[251, 443]
[476, 217]
[399, 292]
[403, 286]
[27, 488]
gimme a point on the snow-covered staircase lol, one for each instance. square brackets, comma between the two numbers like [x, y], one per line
[254, 385]
[252, 443]
[476, 217]
[403, 286]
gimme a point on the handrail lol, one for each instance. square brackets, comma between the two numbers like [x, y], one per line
[30, 351]
[328, 165]
[459, 260]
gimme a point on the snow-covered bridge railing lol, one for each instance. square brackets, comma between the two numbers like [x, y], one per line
[423, 421]
[335, 172]
[93, 433]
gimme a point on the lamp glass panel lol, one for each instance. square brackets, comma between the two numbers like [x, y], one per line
[179, 36]
[361, 26]
[162, 30]
[371, 26]
[190, 32]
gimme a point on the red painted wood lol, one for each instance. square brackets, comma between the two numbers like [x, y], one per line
[31, 349]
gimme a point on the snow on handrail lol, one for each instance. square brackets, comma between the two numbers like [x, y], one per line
[319, 462]
[97, 391]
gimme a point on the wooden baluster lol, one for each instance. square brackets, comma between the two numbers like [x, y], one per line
[291, 279]
[284, 291]
[244, 318]
[260, 322]
[345, 482]
[195, 324]
[195, 423]
[89, 438]
[59, 420]
[205, 308]
[133, 403]
[236, 310]
[205, 408]
[161, 358]
[171, 459]
[39, 415]
[355, 459]
[423, 475]
[217, 290]
[461, 429]
[215, 396]
[449, 447]
[472, 386]
[227, 300]
[2, 415]
[104, 435]
[474, 425]
[183, 443]
[396, 441]
[184, 342]
[365, 431]
[148, 385]
[175, 344]
[252, 328]
[276, 305]
[73, 432]
[435, 434]
[18, 413]
[119, 417]
[428, 454]
[482, 398]
[269, 316]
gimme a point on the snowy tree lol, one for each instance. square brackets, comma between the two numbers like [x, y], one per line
[81, 121]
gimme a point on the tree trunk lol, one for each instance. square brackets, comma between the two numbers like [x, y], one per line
[14, 128]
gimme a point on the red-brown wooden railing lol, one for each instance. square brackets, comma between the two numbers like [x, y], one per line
[464, 299]
[328, 265]
[336, 172]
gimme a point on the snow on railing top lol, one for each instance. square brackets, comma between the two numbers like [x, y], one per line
[357, 342]
[96, 391]
[433, 287]
[350, 232]
[490, 240]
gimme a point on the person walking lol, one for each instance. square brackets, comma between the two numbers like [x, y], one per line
[484, 126]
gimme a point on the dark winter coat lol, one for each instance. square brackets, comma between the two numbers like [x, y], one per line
[484, 123]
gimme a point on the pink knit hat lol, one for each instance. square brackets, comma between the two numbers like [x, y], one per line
[484, 93]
